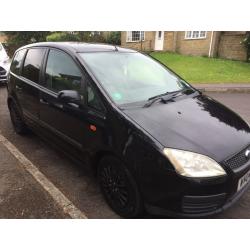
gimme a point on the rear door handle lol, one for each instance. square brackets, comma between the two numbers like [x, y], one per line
[18, 88]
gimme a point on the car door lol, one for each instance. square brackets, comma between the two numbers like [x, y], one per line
[27, 85]
[81, 125]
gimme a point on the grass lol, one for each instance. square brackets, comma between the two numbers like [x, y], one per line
[205, 70]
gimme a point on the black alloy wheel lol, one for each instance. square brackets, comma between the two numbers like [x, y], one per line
[119, 188]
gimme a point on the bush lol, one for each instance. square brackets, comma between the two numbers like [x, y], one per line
[114, 38]
[83, 36]
[62, 36]
[95, 37]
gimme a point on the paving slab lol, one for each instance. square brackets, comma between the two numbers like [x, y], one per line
[21, 196]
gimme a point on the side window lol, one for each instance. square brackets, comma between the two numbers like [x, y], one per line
[17, 62]
[32, 64]
[93, 99]
[62, 72]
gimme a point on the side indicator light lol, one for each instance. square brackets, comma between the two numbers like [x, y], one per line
[92, 127]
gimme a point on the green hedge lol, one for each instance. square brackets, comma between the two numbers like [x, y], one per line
[62, 36]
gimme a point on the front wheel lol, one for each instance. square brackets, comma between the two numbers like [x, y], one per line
[119, 188]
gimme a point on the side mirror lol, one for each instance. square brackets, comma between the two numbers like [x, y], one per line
[69, 96]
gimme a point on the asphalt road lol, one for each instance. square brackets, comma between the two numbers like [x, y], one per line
[76, 184]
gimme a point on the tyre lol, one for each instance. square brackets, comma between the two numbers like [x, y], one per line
[17, 121]
[119, 188]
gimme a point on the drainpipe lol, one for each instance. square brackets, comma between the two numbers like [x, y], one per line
[141, 39]
[175, 41]
[210, 46]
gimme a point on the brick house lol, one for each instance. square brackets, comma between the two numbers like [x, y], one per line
[199, 43]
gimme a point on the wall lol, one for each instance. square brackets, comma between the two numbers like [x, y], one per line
[196, 47]
[230, 46]
[146, 45]
[149, 43]
[169, 41]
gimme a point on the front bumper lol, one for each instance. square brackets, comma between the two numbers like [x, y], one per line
[214, 208]
[188, 197]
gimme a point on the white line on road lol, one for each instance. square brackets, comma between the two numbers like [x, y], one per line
[67, 206]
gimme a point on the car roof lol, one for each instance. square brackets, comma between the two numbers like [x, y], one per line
[79, 47]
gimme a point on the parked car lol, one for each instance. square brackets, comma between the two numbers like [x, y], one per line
[4, 64]
[154, 142]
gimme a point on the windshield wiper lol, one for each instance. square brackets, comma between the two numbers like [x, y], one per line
[165, 97]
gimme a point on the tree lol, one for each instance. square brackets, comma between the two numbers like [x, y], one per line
[246, 42]
[91, 36]
[114, 37]
[17, 39]
[25, 37]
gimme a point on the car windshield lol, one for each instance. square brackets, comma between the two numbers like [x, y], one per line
[130, 76]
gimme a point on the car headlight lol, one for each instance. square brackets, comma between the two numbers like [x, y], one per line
[191, 164]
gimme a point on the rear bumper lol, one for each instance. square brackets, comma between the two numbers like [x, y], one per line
[215, 204]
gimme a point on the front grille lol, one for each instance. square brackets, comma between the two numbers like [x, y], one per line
[237, 160]
[202, 204]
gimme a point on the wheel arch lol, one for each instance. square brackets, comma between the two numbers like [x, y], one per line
[98, 156]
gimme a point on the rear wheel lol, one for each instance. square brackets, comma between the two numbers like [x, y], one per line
[119, 188]
[17, 121]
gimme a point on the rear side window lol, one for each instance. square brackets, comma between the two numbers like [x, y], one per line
[17, 62]
[61, 72]
[32, 64]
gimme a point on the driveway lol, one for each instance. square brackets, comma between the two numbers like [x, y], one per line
[22, 196]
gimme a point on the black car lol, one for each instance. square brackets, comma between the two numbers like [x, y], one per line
[154, 142]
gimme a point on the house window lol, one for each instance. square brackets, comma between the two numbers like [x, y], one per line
[195, 34]
[135, 36]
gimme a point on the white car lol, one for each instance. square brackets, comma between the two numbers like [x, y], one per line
[4, 64]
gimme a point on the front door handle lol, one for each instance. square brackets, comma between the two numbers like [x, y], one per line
[43, 101]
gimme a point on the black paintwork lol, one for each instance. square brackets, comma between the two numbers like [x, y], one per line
[192, 123]
[137, 135]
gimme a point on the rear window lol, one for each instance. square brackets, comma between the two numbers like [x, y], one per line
[17, 62]
[32, 64]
